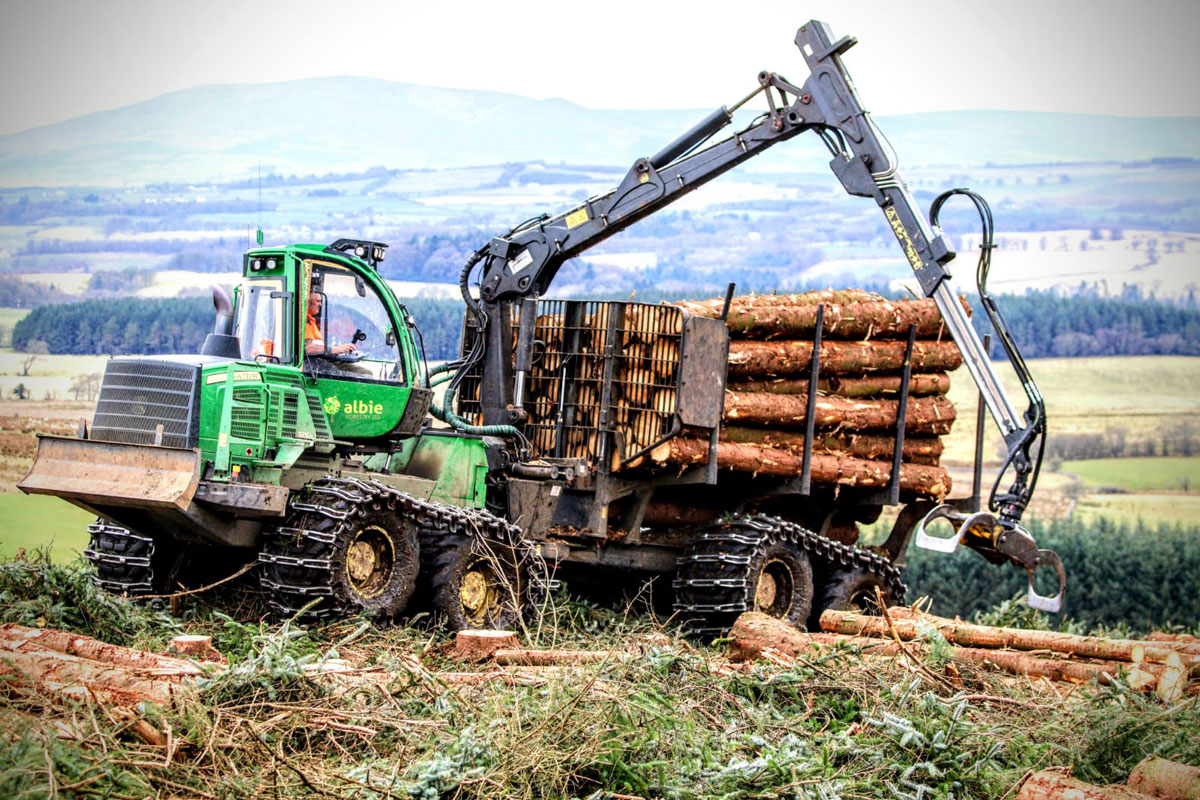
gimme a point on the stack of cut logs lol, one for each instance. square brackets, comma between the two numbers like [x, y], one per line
[645, 368]
[861, 360]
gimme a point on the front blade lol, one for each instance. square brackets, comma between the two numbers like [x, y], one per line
[93, 473]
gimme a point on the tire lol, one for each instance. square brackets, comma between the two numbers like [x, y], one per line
[782, 583]
[475, 582]
[128, 563]
[848, 589]
[350, 548]
[744, 565]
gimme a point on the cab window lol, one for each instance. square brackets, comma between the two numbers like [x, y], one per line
[261, 321]
[348, 333]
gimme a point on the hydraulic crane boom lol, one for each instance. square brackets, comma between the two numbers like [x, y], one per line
[520, 266]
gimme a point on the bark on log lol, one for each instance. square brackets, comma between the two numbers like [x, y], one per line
[199, 648]
[919, 385]
[774, 317]
[20, 638]
[712, 308]
[552, 658]
[956, 632]
[754, 631]
[825, 468]
[932, 415]
[1159, 777]
[482, 645]
[1163, 636]
[917, 449]
[1049, 785]
[880, 320]
[790, 357]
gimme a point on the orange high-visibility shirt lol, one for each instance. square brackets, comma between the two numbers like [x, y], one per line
[312, 331]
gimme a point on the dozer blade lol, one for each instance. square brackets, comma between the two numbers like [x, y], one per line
[93, 473]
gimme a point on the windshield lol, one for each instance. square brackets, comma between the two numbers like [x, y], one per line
[352, 324]
[261, 323]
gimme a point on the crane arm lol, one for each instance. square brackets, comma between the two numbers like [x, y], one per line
[520, 266]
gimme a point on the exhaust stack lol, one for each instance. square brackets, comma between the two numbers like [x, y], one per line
[221, 342]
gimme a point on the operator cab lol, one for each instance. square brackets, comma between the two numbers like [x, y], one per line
[320, 313]
[324, 312]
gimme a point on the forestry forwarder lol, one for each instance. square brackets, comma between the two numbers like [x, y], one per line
[324, 467]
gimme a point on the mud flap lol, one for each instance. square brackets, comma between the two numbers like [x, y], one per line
[91, 473]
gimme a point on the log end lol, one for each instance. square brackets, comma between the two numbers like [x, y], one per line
[199, 648]
[482, 645]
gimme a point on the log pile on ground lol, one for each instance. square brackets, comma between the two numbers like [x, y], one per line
[861, 360]
[1169, 668]
[1153, 777]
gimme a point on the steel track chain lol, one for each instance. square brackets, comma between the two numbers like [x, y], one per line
[713, 567]
[306, 554]
[122, 559]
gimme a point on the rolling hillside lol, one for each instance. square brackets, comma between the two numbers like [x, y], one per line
[335, 124]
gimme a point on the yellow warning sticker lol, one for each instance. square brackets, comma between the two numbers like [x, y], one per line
[577, 217]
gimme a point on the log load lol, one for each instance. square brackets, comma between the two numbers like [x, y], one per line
[750, 359]
[871, 317]
[925, 450]
[925, 414]
[921, 384]
[865, 339]
[825, 467]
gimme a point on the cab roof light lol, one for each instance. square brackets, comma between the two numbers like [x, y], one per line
[371, 252]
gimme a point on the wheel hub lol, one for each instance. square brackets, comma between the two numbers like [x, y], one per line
[370, 560]
[477, 593]
[774, 588]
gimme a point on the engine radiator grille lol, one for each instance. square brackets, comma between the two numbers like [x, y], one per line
[138, 395]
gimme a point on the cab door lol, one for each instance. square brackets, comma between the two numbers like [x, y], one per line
[351, 347]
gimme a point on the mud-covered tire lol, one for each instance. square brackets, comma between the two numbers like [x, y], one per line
[848, 589]
[476, 582]
[127, 563]
[737, 566]
[349, 547]
[783, 582]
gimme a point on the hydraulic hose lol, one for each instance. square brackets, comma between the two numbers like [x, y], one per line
[458, 423]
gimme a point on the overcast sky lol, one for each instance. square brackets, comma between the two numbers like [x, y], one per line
[60, 59]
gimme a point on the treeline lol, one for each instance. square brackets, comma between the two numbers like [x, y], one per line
[1137, 574]
[1046, 325]
[16, 293]
[155, 326]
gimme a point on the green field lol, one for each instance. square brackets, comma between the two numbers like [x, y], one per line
[1164, 473]
[35, 522]
[1152, 509]
[1146, 397]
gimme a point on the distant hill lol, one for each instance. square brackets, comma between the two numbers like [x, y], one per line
[321, 125]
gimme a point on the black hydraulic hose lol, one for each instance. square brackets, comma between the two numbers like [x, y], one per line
[1028, 466]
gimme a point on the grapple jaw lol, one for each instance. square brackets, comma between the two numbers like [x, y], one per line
[996, 540]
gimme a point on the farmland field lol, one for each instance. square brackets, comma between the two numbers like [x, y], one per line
[1169, 473]
[31, 523]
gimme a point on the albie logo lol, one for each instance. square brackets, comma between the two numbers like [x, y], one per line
[361, 407]
[358, 408]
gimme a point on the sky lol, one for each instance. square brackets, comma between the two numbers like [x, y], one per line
[63, 58]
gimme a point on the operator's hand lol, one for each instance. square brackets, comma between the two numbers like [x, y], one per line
[342, 349]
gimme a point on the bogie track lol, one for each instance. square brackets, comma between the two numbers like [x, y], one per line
[319, 553]
[721, 572]
[126, 562]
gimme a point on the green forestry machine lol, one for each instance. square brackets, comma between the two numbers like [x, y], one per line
[300, 440]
